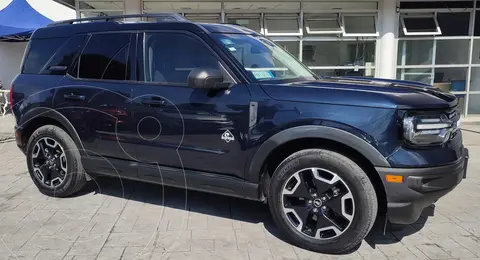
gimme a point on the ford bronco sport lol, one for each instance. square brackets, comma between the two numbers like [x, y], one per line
[219, 108]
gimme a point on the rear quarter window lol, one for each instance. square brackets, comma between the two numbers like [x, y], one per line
[39, 53]
[65, 55]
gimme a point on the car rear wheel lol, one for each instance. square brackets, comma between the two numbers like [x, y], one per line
[54, 162]
[322, 201]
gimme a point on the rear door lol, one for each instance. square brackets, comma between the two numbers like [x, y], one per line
[96, 98]
[185, 128]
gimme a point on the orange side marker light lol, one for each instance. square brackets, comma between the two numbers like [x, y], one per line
[394, 178]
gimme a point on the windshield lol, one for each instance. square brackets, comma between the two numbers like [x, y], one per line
[263, 59]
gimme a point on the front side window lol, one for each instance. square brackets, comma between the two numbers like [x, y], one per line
[262, 58]
[170, 57]
[106, 57]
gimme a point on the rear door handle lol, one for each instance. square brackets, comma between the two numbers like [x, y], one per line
[72, 96]
[153, 102]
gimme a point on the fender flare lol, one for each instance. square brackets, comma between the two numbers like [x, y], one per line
[313, 131]
[29, 117]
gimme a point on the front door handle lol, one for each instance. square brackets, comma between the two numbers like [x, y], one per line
[153, 102]
[72, 96]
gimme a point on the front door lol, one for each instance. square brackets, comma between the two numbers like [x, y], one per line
[185, 128]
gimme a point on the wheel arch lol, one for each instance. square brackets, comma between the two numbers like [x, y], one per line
[285, 143]
[38, 117]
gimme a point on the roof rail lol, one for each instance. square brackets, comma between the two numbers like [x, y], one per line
[161, 17]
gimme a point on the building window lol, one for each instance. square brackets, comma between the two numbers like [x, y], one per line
[420, 25]
[339, 53]
[344, 72]
[454, 24]
[360, 25]
[474, 104]
[452, 51]
[101, 5]
[155, 6]
[434, 48]
[415, 52]
[452, 80]
[326, 24]
[88, 14]
[203, 18]
[251, 21]
[423, 75]
[293, 47]
[282, 25]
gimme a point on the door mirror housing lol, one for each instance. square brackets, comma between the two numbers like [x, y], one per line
[205, 78]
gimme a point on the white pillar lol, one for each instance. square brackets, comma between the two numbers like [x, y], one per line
[133, 7]
[388, 42]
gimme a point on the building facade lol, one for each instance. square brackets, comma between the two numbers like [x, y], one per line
[435, 42]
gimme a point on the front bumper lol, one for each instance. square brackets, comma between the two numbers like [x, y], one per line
[420, 188]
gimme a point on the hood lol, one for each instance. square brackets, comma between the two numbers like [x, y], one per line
[368, 92]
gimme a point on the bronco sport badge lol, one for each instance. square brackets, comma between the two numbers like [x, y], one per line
[228, 136]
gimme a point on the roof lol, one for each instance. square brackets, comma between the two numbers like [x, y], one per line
[18, 20]
[116, 23]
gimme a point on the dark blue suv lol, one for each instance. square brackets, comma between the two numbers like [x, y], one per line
[222, 109]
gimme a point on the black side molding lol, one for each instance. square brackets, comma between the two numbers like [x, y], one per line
[174, 177]
[313, 131]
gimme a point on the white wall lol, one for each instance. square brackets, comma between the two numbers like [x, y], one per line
[11, 55]
[53, 10]
[133, 7]
[49, 8]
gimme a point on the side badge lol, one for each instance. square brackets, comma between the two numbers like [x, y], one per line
[227, 136]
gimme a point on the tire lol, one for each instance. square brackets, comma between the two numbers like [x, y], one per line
[74, 175]
[361, 207]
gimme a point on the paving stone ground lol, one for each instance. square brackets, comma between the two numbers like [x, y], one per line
[114, 219]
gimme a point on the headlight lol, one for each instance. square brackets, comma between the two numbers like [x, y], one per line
[428, 130]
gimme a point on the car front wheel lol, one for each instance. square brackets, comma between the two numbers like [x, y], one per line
[323, 201]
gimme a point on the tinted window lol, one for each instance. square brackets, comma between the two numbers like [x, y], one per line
[106, 57]
[170, 57]
[65, 55]
[40, 51]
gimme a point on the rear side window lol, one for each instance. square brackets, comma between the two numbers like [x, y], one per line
[106, 57]
[39, 52]
[65, 55]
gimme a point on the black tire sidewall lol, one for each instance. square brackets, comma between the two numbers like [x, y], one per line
[351, 174]
[74, 168]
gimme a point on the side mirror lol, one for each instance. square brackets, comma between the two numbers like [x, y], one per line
[205, 78]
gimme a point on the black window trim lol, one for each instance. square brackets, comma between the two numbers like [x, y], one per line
[142, 66]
